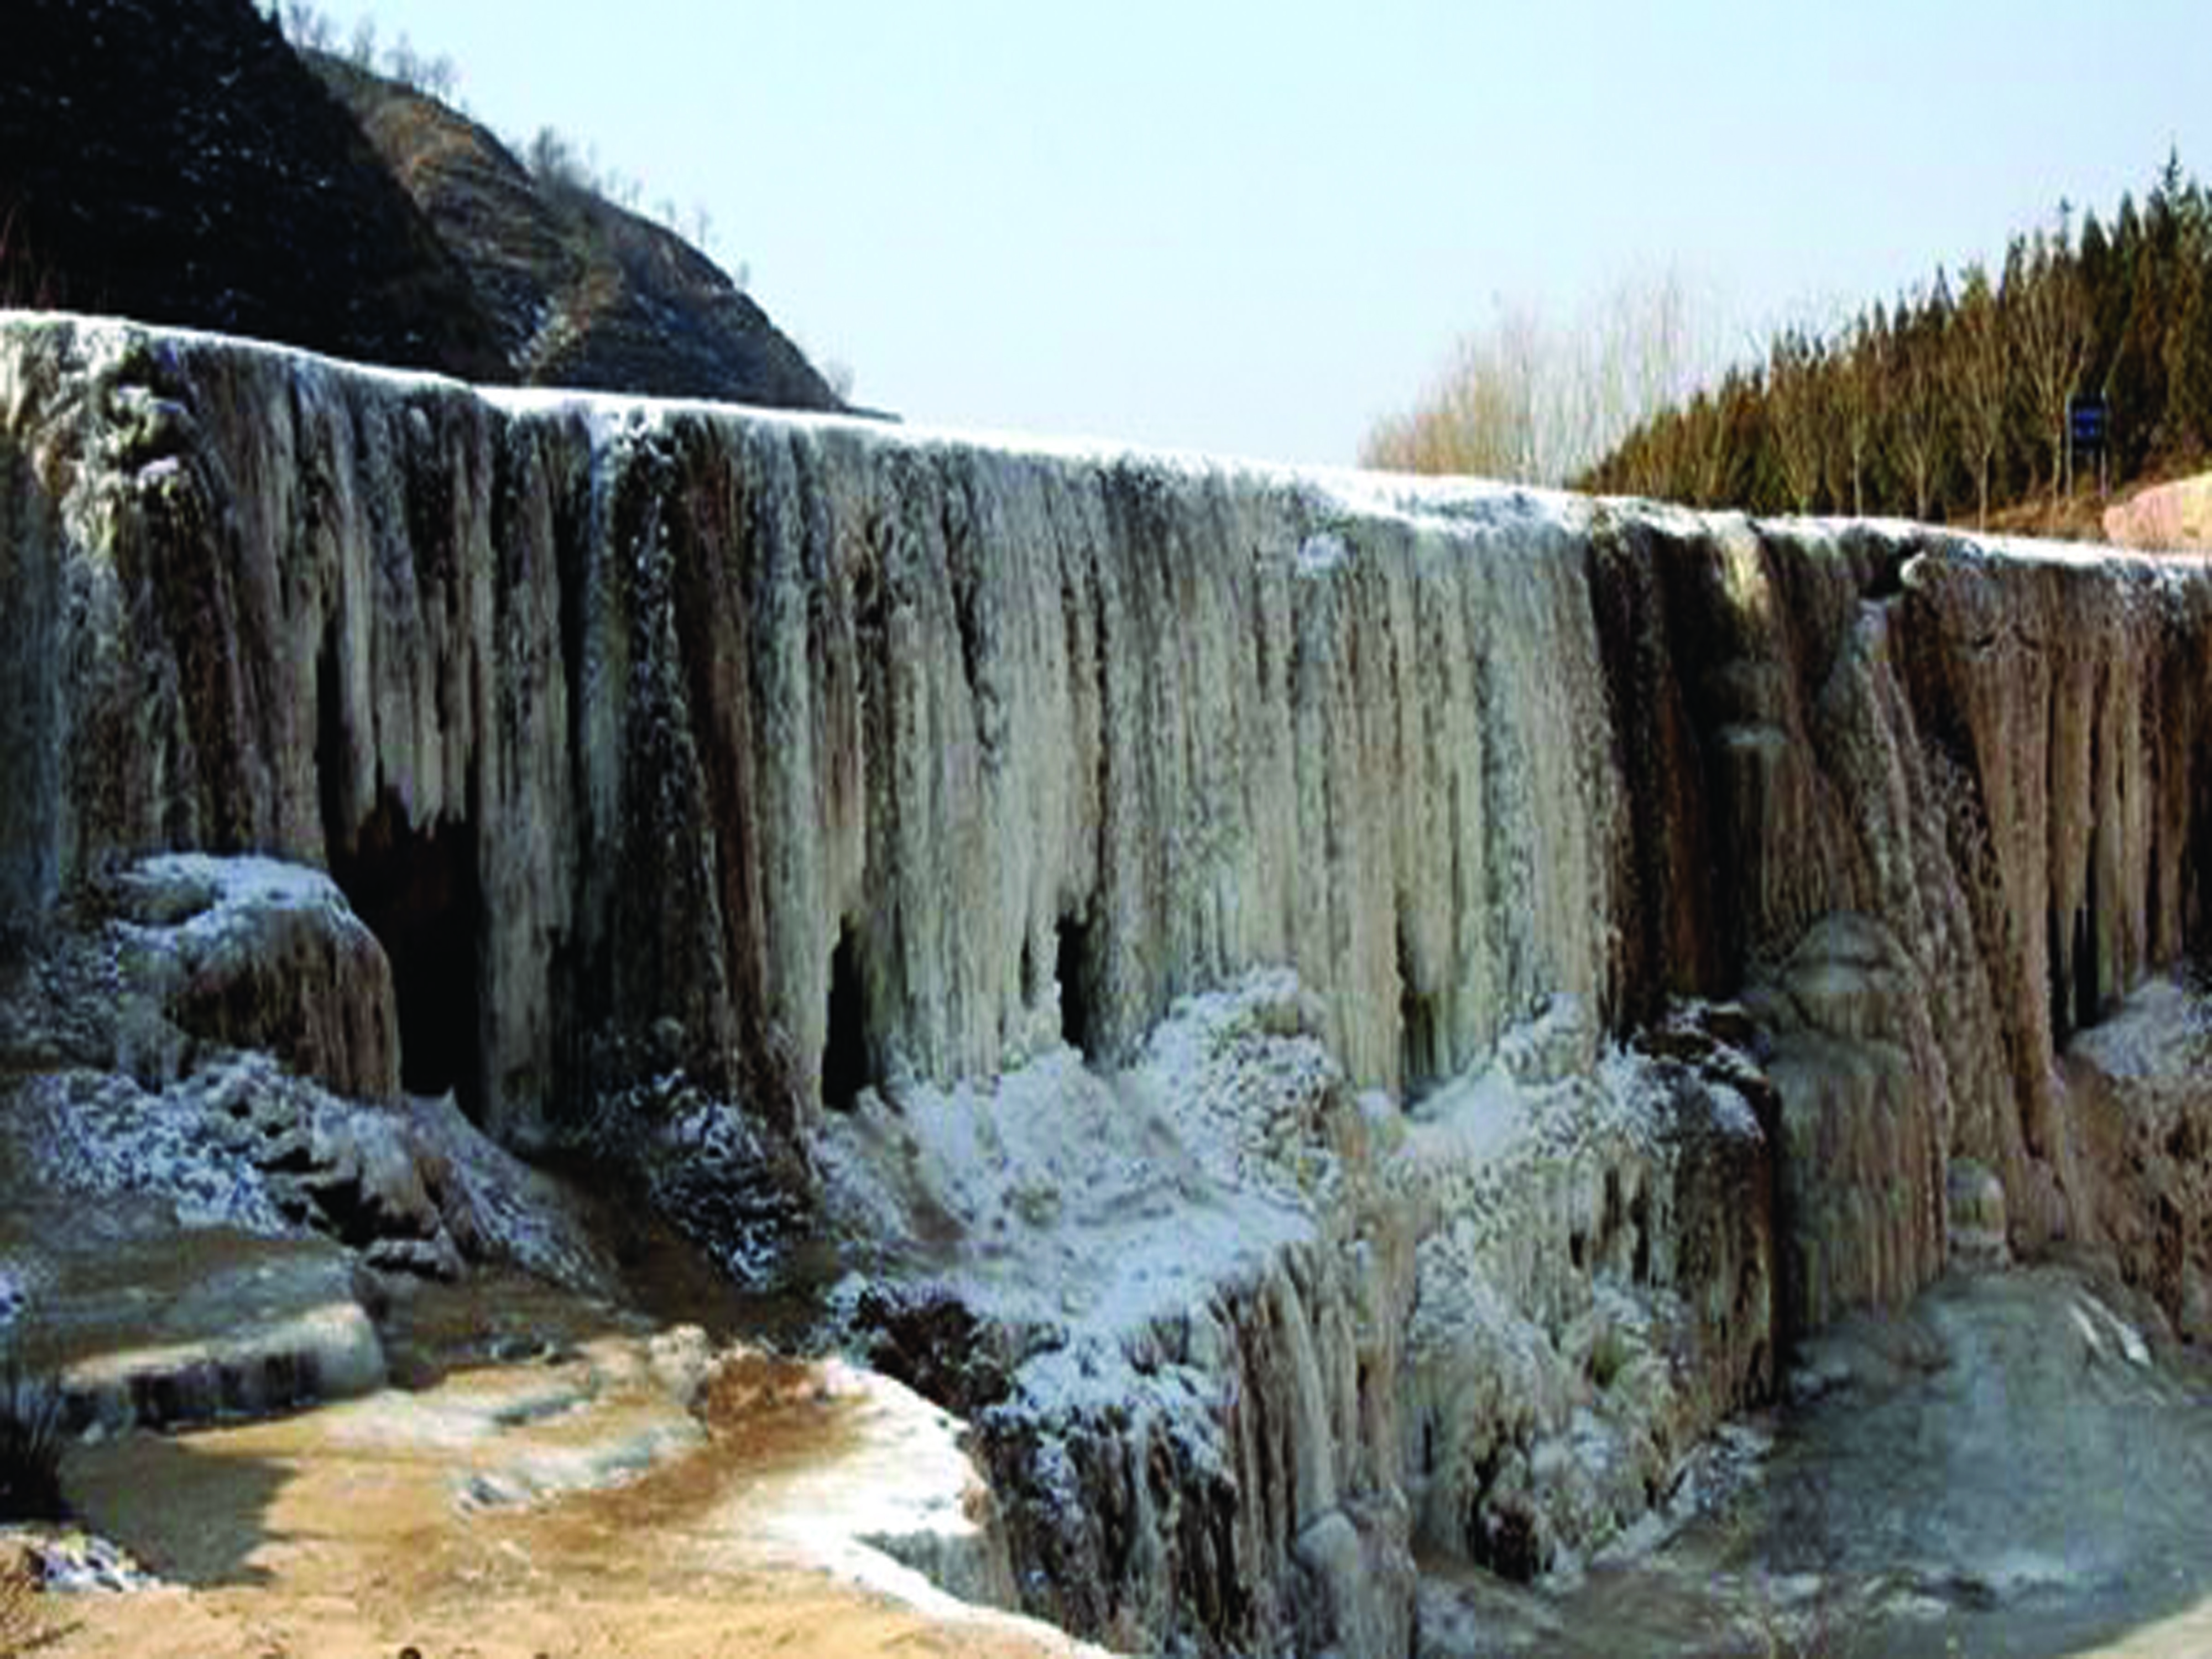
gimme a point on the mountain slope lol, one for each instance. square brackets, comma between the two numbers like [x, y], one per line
[176, 162]
[583, 293]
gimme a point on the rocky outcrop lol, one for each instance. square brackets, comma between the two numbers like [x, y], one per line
[251, 954]
[2164, 516]
[2142, 1121]
[1684, 914]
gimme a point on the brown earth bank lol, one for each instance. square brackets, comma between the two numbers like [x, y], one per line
[583, 293]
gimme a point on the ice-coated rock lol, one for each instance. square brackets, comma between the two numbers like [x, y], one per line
[250, 953]
[1236, 1341]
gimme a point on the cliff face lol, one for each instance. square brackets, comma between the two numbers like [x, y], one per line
[678, 754]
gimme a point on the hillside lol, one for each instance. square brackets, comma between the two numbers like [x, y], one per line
[177, 162]
[582, 293]
[180, 163]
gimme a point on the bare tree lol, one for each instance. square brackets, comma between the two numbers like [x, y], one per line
[1861, 384]
[552, 158]
[1526, 401]
[1469, 422]
[307, 26]
[1920, 403]
[2051, 337]
[1981, 379]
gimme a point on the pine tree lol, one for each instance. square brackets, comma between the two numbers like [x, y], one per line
[2135, 387]
[2188, 353]
[1922, 403]
[1799, 415]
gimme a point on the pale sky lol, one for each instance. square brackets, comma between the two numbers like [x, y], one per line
[1254, 229]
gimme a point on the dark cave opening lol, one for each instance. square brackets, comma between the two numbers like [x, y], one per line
[416, 890]
[2088, 997]
[1075, 965]
[847, 1051]
[1419, 1065]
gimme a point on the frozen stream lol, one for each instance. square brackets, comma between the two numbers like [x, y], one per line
[2014, 1467]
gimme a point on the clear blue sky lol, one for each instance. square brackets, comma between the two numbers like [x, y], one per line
[1254, 229]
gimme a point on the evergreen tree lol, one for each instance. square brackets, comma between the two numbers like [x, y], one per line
[1910, 407]
[2188, 353]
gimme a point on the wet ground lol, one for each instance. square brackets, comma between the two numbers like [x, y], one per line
[557, 1477]
[2018, 1466]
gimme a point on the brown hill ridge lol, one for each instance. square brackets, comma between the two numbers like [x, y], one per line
[179, 162]
[582, 293]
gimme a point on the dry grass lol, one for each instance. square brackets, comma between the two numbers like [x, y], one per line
[23, 1616]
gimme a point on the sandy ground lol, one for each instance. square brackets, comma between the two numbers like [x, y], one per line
[360, 1529]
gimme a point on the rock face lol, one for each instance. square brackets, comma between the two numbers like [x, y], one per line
[1673, 905]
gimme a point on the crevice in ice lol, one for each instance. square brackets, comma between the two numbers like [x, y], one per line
[1075, 966]
[2088, 1003]
[2060, 1004]
[849, 1051]
[330, 740]
[1420, 1062]
[416, 888]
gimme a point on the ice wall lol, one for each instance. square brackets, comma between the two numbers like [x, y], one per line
[666, 703]
[678, 753]
[1012, 721]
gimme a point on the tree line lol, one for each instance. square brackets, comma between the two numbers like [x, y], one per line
[1952, 401]
[1538, 403]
